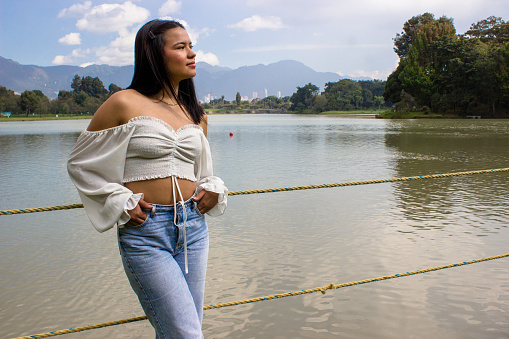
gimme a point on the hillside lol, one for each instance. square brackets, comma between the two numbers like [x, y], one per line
[282, 76]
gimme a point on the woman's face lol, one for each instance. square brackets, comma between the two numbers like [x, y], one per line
[179, 55]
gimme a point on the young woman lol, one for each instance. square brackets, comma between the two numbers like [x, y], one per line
[144, 164]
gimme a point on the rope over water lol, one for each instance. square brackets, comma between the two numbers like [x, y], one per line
[284, 189]
[322, 289]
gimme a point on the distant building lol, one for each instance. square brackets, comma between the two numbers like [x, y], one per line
[208, 98]
[279, 94]
[255, 95]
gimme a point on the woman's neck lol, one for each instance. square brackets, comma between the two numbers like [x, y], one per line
[167, 97]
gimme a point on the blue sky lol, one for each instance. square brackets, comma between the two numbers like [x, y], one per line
[349, 37]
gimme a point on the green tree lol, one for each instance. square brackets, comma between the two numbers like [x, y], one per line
[403, 40]
[504, 74]
[67, 103]
[76, 83]
[80, 98]
[44, 103]
[29, 102]
[304, 96]
[417, 77]
[93, 87]
[343, 95]
[271, 102]
[379, 101]
[393, 86]
[416, 71]
[491, 28]
[91, 104]
[112, 88]
[9, 102]
[320, 103]
[468, 76]
[238, 99]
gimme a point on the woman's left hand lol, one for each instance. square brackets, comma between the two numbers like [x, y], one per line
[206, 200]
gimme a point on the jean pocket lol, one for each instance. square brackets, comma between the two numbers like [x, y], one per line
[195, 203]
[147, 212]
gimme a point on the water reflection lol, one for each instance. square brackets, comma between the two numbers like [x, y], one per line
[427, 147]
[58, 272]
[32, 163]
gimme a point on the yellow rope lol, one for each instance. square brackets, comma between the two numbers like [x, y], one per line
[322, 289]
[41, 209]
[282, 189]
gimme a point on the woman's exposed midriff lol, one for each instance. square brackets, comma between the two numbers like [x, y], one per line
[160, 191]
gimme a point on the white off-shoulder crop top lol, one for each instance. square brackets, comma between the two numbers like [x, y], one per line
[143, 148]
[157, 151]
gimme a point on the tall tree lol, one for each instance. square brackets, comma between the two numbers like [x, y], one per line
[416, 72]
[343, 95]
[93, 86]
[303, 98]
[403, 40]
[238, 99]
[9, 102]
[76, 83]
[29, 101]
[416, 76]
[491, 28]
[112, 88]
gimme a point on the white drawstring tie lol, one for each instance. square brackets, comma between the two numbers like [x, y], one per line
[174, 183]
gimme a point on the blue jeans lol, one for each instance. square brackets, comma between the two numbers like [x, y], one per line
[153, 258]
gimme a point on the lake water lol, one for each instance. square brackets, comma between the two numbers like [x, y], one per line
[57, 272]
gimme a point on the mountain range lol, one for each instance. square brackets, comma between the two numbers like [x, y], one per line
[281, 77]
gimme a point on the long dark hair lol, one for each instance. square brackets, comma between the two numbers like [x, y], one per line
[150, 72]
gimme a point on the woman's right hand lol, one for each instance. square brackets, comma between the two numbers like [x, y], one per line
[137, 215]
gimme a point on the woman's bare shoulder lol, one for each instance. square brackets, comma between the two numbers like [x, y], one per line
[115, 111]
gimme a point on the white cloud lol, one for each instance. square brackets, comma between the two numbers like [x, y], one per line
[170, 7]
[112, 17]
[195, 34]
[75, 10]
[61, 60]
[70, 58]
[87, 64]
[123, 18]
[257, 22]
[375, 74]
[120, 51]
[70, 39]
[209, 58]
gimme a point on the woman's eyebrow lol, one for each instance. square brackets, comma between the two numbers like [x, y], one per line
[182, 43]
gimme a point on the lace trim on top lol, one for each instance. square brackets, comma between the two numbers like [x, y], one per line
[158, 176]
[142, 117]
[147, 117]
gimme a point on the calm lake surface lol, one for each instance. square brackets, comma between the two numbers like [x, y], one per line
[57, 272]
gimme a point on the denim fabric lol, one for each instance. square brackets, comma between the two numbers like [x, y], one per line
[153, 258]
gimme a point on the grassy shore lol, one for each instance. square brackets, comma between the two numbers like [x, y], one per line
[411, 115]
[381, 114]
[354, 112]
[43, 117]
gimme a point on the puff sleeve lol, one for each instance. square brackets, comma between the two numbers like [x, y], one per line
[96, 167]
[207, 181]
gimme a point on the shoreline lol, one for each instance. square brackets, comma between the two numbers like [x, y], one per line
[378, 114]
[211, 112]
